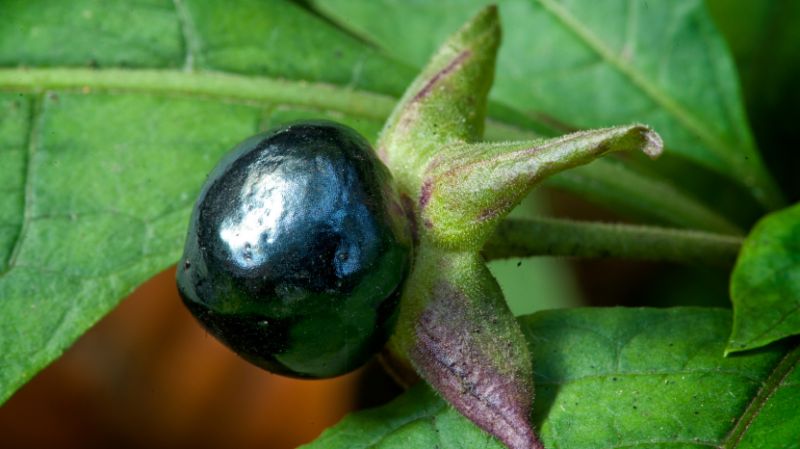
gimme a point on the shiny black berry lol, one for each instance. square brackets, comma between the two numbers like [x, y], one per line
[297, 251]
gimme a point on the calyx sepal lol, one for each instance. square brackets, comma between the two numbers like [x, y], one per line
[454, 327]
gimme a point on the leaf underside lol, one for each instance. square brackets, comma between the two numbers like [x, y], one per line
[616, 378]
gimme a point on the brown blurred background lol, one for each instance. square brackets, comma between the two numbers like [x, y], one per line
[149, 376]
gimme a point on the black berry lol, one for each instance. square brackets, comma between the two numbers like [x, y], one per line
[297, 251]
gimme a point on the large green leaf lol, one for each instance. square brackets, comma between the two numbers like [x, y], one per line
[272, 39]
[112, 112]
[617, 378]
[587, 64]
[765, 284]
[99, 167]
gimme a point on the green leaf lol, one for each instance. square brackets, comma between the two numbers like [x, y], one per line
[616, 378]
[765, 284]
[262, 41]
[588, 64]
[111, 114]
[656, 199]
[764, 38]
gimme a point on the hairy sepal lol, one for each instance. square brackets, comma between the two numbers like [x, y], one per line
[460, 336]
[454, 326]
[445, 104]
[469, 188]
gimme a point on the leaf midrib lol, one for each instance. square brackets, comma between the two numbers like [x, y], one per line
[773, 382]
[686, 118]
[217, 85]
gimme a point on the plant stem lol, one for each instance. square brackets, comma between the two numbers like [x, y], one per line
[560, 237]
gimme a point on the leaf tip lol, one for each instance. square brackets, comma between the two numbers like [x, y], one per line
[489, 12]
[653, 144]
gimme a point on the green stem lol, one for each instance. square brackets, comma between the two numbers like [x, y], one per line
[560, 237]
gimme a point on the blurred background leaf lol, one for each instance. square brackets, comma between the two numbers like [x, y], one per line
[571, 65]
[764, 37]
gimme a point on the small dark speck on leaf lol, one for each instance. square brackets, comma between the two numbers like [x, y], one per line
[519, 264]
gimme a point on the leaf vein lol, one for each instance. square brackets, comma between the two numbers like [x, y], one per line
[233, 87]
[775, 380]
[34, 128]
[189, 34]
[686, 118]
